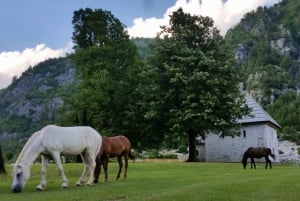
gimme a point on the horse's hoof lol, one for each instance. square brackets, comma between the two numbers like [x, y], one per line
[64, 186]
[40, 187]
[78, 184]
[95, 181]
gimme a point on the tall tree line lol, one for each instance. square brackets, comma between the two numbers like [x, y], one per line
[186, 88]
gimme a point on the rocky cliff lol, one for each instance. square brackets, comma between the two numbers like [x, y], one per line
[267, 49]
[34, 99]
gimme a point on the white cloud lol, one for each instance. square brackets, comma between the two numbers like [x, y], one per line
[5, 80]
[225, 15]
[14, 63]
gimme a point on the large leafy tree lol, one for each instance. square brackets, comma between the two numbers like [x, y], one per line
[286, 110]
[104, 58]
[197, 86]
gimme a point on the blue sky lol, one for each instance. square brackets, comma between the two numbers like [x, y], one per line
[35, 30]
[26, 23]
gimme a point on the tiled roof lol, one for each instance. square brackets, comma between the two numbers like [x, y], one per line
[258, 114]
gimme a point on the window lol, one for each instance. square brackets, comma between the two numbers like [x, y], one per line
[244, 133]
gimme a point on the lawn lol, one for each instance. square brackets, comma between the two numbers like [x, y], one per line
[166, 181]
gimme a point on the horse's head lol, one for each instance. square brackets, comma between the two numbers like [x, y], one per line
[20, 176]
[244, 162]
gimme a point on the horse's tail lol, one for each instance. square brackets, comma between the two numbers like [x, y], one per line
[2, 164]
[131, 155]
[270, 153]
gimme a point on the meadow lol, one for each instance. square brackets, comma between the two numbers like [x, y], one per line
[165, 181]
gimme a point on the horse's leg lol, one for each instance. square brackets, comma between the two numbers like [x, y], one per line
[56, 158]
[89, 159]
[120, 166]
[126, 165]
[85, 169]
[254, 163]
[97, 170]
[105, 167]
[92, 164]
[268, 161]
[42, 185]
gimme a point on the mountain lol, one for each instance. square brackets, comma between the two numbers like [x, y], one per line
[34, 99]
[267, 50]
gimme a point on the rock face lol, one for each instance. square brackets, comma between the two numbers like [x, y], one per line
[35, 97]
[266, 44]
[241, 54]
[288, 152]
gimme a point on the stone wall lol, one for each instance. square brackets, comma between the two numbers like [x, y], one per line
[231, 149]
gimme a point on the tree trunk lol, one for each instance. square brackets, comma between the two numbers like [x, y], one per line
[2, 164]
[84, 118]
[192, 146]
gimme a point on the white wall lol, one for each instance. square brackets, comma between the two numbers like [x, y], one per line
[231, 149]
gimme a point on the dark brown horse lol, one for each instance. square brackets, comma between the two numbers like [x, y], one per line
[2, 164]
[257, 152]
[116, 146]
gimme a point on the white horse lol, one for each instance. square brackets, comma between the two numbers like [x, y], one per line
[55, 141]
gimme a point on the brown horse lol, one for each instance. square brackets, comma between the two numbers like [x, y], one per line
[116, 146]
[2, 164]
[257, 152]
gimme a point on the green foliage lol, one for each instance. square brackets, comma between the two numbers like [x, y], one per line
[96, 28]
[110, 70]
[153, 153]
[143, 45]
[20, 124]
[268, 37]
[196, 85]
[286, 110]
[270, 67]
[182, 149]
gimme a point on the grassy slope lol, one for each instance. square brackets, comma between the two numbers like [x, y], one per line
[167, 181]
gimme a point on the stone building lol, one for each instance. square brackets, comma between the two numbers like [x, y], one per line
[257, 129]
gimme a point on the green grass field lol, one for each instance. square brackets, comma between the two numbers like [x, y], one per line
[166, 182]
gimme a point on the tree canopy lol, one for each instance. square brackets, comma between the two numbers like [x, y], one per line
[187, 86]
[103, 58]
[198, 88]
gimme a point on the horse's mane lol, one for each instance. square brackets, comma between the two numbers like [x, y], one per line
[27, 145]
[246, 154]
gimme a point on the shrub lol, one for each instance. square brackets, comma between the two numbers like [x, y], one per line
[182, 149]
[153, 153]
